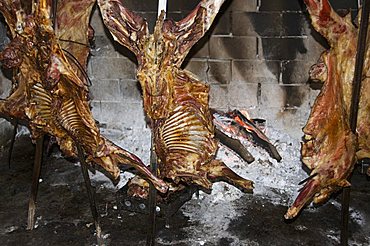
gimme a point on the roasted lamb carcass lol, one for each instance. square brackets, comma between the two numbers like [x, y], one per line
[51, 95]
[330, 148]
[174, 99]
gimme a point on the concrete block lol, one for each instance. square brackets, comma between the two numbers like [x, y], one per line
[233, 47]
[182, 5]
[97, 23]
[295, 24]
[257, 24]
[104, 47]
[281, 48]
[112, 68]
[141, 5]
[130, 91]
[5, 132]
[106, 90]
[218, 96]
[285, 96]
[242, 95]
[198, 67]
[122, 115]
[5, 86]
[242, 5]
[200, 49]
[295, 72]
[222, 24]
[314, 46]
[243, 70]
[219, 71]
[281, 5]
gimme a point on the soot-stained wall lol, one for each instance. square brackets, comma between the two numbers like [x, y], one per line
[255, 57]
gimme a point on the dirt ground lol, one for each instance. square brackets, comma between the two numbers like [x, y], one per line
[64, 217]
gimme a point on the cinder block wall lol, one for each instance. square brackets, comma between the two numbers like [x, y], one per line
[5, 86]
[255, 57]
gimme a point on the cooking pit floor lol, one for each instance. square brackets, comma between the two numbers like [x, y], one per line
[64, 218]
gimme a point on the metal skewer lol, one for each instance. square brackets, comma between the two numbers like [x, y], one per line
[356, 93]
[35, 182]
[91, 195]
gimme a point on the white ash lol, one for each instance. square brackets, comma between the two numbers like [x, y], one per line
[275, 181]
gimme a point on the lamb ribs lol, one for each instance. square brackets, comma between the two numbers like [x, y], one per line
[330, 149]
[51, 94]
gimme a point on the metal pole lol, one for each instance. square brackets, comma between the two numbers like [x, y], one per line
[91, 195]
[150, 241]
[162, 5]
[35, 182]
[356, 93]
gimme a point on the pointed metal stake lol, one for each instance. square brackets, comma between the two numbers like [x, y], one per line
[35, 182]
[91, 195]
[356, 93]
[150, 240]
[11, 147]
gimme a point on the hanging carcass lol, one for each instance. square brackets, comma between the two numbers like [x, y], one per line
[175, 101]
[51, 86]
[330, 148]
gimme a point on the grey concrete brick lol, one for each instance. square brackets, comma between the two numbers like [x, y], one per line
[242, 5]
[314, 47]
[295, 24]
[282, 48]
[295, 72]
[97, 23]
[5, 86]
[5, 132]
[130, 91]
[218, 96]
[272, 95]
[250, 70]
[233, 47]
[176, 5]
[257, 24]
[219, 71]
[200, 49]
[104, 47]
[289, 121]
[242, 95]
[281, 5]
[112, 68]
[122, 115]
[284, 96]
[106, 90]
[198, 67]
[141, 5]
[222, 24]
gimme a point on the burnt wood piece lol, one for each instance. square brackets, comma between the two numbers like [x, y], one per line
[241, 128]
[175, 101]
[330, 149]
[51, 95]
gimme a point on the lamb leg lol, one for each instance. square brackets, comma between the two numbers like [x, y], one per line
[217, 170]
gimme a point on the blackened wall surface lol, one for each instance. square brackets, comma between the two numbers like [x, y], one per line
[255, 57]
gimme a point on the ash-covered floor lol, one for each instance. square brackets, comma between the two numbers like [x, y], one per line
[222, 218]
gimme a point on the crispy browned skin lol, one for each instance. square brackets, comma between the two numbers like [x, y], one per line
[174, 99]
[52, 93]
[330, 148]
